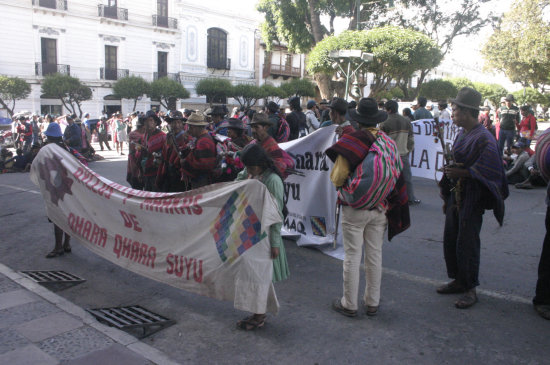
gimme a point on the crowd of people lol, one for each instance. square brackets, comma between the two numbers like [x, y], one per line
[186, 150]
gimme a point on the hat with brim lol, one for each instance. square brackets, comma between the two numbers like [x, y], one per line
[53, 130]
[197, 119]
[467, 98]
[367, 113]
[261, 119]
[232, 123]
[519, 144]
[510, 98]
[177, 115]
[218, 110]
[340, 105]
[152, 114]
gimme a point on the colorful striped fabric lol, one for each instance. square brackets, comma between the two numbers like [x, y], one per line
[375, 177]
[543, 154]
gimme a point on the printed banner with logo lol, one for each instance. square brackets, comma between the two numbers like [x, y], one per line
[211, 241]
[311, 199]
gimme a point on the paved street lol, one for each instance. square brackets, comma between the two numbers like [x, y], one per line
[414, 324]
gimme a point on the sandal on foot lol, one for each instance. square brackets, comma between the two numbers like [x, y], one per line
[338, 307]
[451, 288]
[543, 310]
[54, 253]
[467, 300]
[252, 323]
[67, 249]
[371, 310]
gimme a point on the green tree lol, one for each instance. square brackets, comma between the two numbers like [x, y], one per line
[214, 89]
[460, 82]
[70, 90]
[11, 90]
[398, 53]
[491, 92]
[274, 92]
[167, 91]
[247, 95]
[131, 87]
[438, 89]
[520, 45]
[297, 87]
[530, 96]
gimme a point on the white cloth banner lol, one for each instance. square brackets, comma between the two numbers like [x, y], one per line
[212, 241]
[311, 199]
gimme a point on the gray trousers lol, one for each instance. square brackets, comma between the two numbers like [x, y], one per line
[407, 175]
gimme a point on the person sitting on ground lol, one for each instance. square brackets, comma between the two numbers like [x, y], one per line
[514, 172]
[62, 239]
[261, 167]
[532, 175]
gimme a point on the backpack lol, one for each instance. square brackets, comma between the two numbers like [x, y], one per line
[375, 177]
[283, 130]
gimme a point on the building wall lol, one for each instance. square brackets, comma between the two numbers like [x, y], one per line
[82, 35]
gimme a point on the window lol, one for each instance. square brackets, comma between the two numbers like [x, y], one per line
[162, 8]
[111, 3]
[162, 64]
[50, 109]
[49, 56]
[110, 63]
[217, 49]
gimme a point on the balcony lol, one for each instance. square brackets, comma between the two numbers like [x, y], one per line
[43, 69]
[165, 22]
[219, 64]
[112, 12]
[113, 73]
[171, 76]
[51, 4]
[282, 70]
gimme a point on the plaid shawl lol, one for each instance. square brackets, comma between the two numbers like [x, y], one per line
[353, 147]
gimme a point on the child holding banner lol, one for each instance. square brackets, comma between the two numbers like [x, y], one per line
[259, 166]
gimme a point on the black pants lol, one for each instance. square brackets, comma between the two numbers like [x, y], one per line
[542, 293]
[461, 243]
[103, 138]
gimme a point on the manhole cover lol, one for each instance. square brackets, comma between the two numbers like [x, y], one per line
[133, 319]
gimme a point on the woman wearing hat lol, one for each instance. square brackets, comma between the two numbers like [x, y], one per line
[153, 140]
[134, 172]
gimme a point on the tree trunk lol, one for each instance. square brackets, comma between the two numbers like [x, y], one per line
[135, 103]
[5, 106]
[423, 74]
[315, 19]
[323, 83]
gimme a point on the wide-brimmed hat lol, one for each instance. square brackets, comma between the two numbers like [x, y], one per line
[232, 123]
[260, 118]
[510, 98]
[367, 113]
[218, 110]
[175, 115]
[467, 98]
[519, 144]
[273, 107]
[340, 105]
[197, 120]
[152, 114]
[324, 102]
[53, 130]
[294, 102]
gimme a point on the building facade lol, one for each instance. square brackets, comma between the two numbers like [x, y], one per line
[101, 41]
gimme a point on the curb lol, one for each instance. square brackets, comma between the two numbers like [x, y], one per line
[120, 337]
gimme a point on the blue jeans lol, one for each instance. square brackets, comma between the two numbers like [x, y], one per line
[505, 135]
[407, 175]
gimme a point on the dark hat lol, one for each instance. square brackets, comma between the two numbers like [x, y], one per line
[485, 108]
[367, 113]
[294, 102]
[141, 121]
[232, 123]
[22, 118]
[273, 107]
[187, 111]
[442, 103]
[510, 97]
[311, 104]
[468, 98]
[352, 104]
[53, 130]
[152, 114]
[260, 118]
[174, 115]
[324, 102]
[519, 144]
[340, 105]
[218, 110]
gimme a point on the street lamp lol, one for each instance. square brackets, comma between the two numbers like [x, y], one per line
[349, 55]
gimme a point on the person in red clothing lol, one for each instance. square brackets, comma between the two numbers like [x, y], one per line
[153, 141]
[528, 124]
[198, 165]
[134, 174]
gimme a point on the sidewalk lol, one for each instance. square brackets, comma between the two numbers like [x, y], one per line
[39, 327]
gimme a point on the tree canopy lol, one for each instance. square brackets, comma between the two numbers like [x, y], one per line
[532, 97]
[70, 90]
[214, 89]
[520, 45]
[297, 87]
[247, 95]
[131, 87]
[11, 90]
[166, 91]
[438, 89]
[397, 52]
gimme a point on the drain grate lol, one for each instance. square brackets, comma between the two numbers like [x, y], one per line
[132, 319]
[54, 279]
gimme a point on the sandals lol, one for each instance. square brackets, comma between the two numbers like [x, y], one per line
[252, 323]
[467, 300]
[371, 310]
[55, 253]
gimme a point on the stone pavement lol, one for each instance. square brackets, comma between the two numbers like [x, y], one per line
[39, 327]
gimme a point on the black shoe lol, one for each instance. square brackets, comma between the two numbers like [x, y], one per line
[543, 310]
[337, 306]
[467, 300]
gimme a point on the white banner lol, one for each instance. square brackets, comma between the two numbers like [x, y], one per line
[211, 241]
